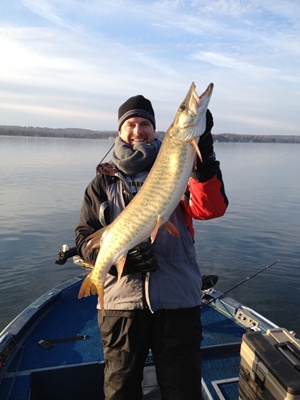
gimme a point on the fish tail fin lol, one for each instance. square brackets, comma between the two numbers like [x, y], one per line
[87, 288]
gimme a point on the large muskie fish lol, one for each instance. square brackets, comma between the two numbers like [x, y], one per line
[157, 198]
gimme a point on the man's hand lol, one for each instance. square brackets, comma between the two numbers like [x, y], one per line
[140, 258]
[206, 169]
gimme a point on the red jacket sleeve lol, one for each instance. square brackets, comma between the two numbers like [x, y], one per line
[204, 200]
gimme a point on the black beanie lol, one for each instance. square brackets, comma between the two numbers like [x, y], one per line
[136, 106]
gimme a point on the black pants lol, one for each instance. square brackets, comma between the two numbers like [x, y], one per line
[174, 337]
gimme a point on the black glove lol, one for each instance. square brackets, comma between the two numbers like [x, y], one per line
[206, 169]
[140, 258]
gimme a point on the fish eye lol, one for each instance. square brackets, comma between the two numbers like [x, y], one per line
[182, 107]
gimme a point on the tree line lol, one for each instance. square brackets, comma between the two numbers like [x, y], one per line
[9, 130]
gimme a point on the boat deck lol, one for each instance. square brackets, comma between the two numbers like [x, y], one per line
[74, 368]
[220, 354]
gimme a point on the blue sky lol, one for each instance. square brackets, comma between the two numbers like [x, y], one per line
[71, 63]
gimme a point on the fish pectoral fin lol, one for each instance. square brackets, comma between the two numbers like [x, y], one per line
[155, 230]
[196, 147]
[171, 228]
[120, 266]
[93, 240]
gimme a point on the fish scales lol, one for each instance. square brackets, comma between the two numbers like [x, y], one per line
[159, 195]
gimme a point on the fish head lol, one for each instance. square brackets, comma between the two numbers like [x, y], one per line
[190, 119]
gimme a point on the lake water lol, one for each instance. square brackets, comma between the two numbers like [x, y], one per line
[41, 190]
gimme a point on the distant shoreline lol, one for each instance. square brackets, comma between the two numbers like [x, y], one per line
[74, 133]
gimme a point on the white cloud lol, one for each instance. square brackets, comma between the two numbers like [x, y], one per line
[74, 62]
[45, 9]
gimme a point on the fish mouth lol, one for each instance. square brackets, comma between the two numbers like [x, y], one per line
[194, 101]
[190, 120]
[206, 95]
[197, 104]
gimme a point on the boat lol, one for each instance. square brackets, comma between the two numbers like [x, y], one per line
[52, 350]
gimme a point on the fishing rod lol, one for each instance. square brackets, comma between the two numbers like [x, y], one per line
[108, 151]
[241, 283]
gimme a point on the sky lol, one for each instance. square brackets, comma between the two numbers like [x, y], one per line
[72, 63]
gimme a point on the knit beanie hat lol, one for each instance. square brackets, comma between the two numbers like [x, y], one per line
[136, 106]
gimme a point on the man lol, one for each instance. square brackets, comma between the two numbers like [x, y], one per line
[156, 303]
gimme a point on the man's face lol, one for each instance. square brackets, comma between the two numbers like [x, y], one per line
[137, 130]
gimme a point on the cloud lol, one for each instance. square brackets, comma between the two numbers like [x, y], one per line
[236, 64]
[72, 63]
[45, 9]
